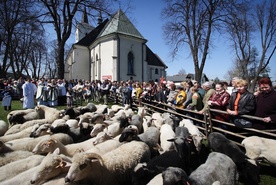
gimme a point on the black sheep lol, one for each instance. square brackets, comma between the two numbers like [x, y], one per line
[249, 173]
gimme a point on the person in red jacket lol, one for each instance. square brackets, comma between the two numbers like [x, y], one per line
[266, 105]
[219, 100]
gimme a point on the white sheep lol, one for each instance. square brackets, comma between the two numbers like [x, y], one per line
[166, 133]
[101, 137]
[3, 127]
[21, 134]
[99, 127]
[22, 178]
[13, 168]
[8, 156]
[194, 131]
[48, 114]
[21, 116]
[49, 145]
[51, 166]
[116, 108]
[28, 144]
[142, 111]
[101, 109]
[147, 122]
[114, 167]
[157, 120]
[260, 148]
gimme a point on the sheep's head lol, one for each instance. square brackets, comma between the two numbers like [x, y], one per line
[46, 146]
[129, 133]
[81, 165]
[51, 166]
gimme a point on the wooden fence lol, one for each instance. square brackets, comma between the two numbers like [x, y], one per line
[207, 122]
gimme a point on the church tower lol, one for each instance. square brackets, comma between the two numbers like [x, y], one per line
[83, 28]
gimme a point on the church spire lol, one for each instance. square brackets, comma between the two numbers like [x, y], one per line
[84, 16]
[100, 18]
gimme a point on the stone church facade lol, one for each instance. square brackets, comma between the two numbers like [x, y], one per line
[113, 50]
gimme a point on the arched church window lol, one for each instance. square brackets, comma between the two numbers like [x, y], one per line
[156, 71]
[130, 64]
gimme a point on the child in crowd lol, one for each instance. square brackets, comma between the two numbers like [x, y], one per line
[69, 96]
[7, 98]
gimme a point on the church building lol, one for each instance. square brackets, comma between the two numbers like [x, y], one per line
[113, 50]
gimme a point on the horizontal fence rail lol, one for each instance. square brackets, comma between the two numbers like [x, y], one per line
[206, 124]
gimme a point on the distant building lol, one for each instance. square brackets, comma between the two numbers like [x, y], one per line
[113, 50]
[185, 77]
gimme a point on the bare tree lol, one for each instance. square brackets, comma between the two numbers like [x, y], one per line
[244, 24]
[13, 14]
[181, 72]
[61, 14]
[191, 23]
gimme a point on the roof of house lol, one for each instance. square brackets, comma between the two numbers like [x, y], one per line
[92, 36]
[119, 23]
[153, 59]
[180, 78]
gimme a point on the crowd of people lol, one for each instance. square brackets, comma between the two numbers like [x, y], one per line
[190, 95]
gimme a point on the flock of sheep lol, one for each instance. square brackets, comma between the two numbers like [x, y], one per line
[98, 145]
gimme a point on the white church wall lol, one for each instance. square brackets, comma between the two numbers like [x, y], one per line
[107, 66]
[80, 65]
[155, 73]
[135, 46]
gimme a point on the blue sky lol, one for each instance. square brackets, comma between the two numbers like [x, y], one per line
[146, 16]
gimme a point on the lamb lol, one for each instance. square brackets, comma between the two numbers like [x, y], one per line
[194, 131]
[166, 133]
[248, 172]
[218, 167]
[7, 171]
[117, 164]
[260, 148]
[3, 127]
